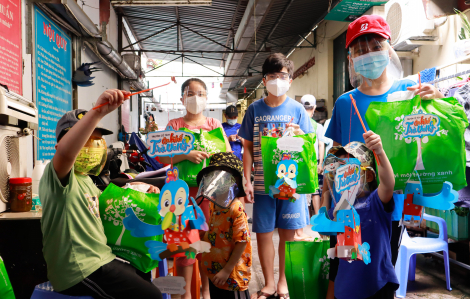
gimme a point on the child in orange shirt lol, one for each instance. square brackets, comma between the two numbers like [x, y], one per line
[228, 264]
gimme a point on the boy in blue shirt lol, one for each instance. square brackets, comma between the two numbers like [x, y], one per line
[231, 127]
[374, 69]
[376, 280]
[269, 117]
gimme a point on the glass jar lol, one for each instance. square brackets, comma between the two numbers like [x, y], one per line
[21, 194]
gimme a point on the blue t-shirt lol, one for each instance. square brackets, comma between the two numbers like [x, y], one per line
[357, 280]
[341, 123]
[262, 120]
[236, 145]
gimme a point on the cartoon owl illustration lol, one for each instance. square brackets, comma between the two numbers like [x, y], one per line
[216, 267]
[232, 284]
[212, 237]
[179, 226]
[287, 171]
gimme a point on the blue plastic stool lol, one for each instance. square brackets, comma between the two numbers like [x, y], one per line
[406, 263]
[45, 291]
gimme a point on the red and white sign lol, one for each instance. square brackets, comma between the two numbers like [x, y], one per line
[11, 60]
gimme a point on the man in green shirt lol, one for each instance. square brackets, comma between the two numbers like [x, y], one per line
[79, 262]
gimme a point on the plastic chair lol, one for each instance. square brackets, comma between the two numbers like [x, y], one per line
[45, 291]
[405, 267]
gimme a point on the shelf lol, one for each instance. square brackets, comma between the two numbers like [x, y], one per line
[20, 215]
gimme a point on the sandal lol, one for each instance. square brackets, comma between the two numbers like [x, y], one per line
[284, 296]
[266, 295]
[305, 239]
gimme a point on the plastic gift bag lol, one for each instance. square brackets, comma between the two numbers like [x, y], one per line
[426, 136]
[6, 291]
[210, 142]
[307, 269]
[113, 203]
[307, 178]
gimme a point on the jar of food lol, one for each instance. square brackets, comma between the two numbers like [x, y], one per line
[21, 194]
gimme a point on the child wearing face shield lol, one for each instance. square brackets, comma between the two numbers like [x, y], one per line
[229, 261]
[79, 261]
[194, 98]
[274, 113]
[375, 72]
[374, 204]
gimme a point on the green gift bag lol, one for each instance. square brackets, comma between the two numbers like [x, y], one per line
[307, 179]
[210, 142]
[307, 269]
[113, 203]
[442, 155]
[6, 291]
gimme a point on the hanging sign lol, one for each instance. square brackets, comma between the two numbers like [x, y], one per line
[11, 60]
[169, 143]
[53, 85]
[349, 10]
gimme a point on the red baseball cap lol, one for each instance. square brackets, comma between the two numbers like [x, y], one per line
[367, 24]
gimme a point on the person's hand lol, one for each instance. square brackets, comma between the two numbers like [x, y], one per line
[197, 156]
[373, 142]
[296, 127]
[114, 97]
[232, 138]
[320, 169]
[426, 92]
[250, 193]
[221, 278]
[151, 188]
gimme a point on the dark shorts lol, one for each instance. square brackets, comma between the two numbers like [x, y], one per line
[387, 292]
[225, 294]
[116, 280]
[334, 263]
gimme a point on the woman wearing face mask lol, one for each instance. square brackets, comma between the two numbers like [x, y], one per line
[375, 71]
[194, 98]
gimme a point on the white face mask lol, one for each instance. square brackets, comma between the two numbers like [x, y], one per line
[195, 104]
[278, 87]
[231, 121]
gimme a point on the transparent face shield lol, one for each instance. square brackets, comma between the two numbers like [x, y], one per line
[194, 99]
[218, 186]
[369, 58]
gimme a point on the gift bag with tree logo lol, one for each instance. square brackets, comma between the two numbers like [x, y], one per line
[113, 203]
[422, 137]
[307, 269]
[210, 142]
[307, 178]
[6, 291]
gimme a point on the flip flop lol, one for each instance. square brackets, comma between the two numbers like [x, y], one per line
[266, 295]
[284, 296]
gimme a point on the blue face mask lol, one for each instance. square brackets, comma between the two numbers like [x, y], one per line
[231, 121]
[371, 65]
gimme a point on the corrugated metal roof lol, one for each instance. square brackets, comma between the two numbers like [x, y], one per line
[216, 21]
[299, 19]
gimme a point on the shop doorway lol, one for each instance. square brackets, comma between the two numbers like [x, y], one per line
[341, 82]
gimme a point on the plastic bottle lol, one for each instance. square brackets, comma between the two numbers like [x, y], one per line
[37, 174]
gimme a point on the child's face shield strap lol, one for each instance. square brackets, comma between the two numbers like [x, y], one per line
[218, 186]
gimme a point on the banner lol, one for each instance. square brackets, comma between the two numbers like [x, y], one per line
[11, 60]
[53, 72]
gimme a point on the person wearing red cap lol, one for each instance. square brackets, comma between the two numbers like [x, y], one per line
[375, 72]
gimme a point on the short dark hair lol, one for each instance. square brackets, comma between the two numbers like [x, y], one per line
[275, 62]
[187, 82]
